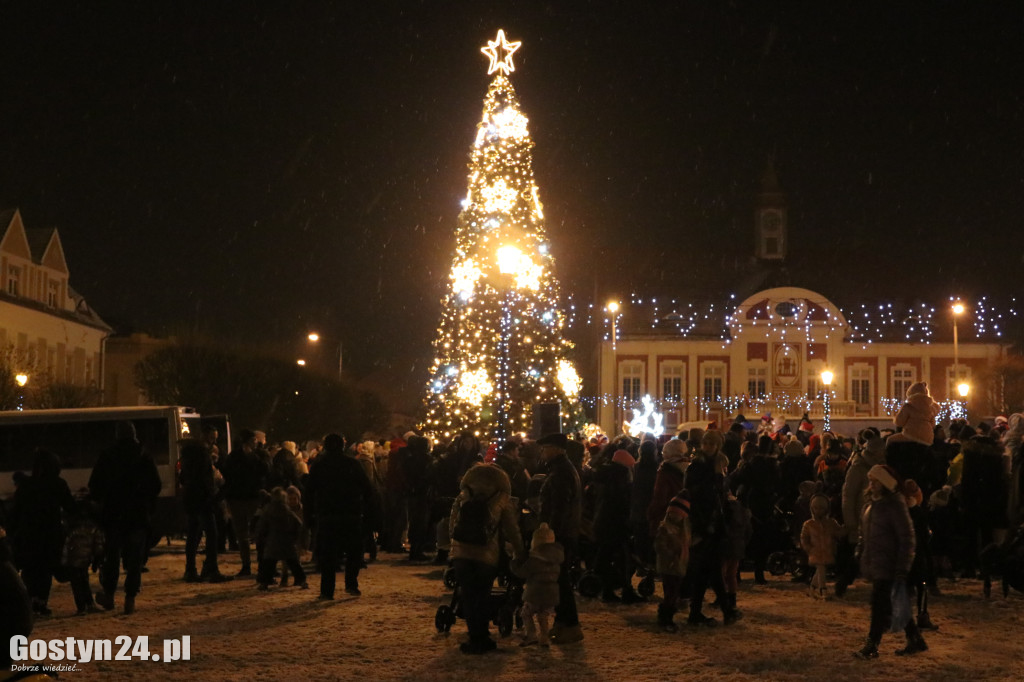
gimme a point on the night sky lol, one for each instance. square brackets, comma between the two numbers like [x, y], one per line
[258, 171]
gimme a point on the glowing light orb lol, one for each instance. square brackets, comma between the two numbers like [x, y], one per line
[474, 386]
[512, 261]
[464, 277]
[569, 379]
[509, 123]
[499, 197]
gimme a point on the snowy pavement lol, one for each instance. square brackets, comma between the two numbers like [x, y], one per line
[237, 633]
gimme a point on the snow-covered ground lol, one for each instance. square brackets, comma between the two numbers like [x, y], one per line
[238, 633]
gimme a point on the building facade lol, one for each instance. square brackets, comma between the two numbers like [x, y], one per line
[773, 352]
[47, 330]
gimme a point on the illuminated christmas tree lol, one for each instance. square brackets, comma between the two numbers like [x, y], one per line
[499, 348]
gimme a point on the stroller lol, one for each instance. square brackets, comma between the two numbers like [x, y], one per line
[1006, 560]
[505, 602]
[785, 557]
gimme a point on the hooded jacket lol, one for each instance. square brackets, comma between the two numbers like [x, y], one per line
[917, 417]
[487, 482]
[540, 570]
[887, 538]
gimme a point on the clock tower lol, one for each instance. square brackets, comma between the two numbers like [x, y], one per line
[772, 240]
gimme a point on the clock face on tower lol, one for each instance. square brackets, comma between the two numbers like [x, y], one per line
[771, 221]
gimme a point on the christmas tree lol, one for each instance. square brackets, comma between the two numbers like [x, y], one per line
[499, 348]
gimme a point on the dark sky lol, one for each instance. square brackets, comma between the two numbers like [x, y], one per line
[257, 169]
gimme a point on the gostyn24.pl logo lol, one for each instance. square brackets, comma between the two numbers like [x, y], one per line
[122, 648]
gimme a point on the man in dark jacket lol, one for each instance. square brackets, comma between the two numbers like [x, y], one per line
[245, 474]
[199, 494]
[338, 495]
[560, 508]
[125, 482]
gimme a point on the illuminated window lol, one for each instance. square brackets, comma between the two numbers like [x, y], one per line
[672, 382]
[51, 293]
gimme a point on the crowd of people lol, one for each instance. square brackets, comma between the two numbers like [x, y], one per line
[898, 507]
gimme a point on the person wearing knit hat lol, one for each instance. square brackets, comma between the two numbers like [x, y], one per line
[887, 554]
[540, 572]
[672, 548]
[673, 450]
[624, 458]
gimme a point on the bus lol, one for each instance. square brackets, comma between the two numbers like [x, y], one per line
[78, 436]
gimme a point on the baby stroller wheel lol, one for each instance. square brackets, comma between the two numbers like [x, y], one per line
[646, 586]
[777, 563]
[504, 621]
[792, 563]
[444, 619]
[449, 578]
[590, 584]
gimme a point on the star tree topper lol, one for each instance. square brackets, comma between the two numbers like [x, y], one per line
[497, 47]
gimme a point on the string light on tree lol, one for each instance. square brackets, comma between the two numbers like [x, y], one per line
[502, 326]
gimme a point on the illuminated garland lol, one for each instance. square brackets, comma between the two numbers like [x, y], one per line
[499, 347]
[876, 323]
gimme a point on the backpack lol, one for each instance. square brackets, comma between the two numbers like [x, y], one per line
[474, 525]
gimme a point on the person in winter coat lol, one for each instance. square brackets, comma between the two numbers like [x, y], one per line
[738, 531]
[482, 521]
[922, 571]
[984, 490]
[796, 467]
[818, 539]
[917, 416]
[294, 497]
[338, 495]
[756, 484]
[540, 597]
[668, 481]
[706, 488]
[278, 532]
[83, 548]
[198, 479]
[245, 475]
[672, 548]
[125, 482]
[508, 459]
[561, 499]
[15, 604]
[645, 474]
[419, 477]
[396, 515]
[37, 536]
[856, 495]
[612, 484]
[886, 555]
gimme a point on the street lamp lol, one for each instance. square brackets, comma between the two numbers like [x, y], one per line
[963, 388]
[958, 310]
[314, 338]
[826, 378]
[300, 362]
[613, 308]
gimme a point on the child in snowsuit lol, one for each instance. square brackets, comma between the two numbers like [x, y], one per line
[294, 496]
[540, 597]
[83, 547]
[818, 538]
[672, 549]
[278, 531]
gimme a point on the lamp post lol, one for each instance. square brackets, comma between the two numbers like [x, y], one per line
[826, 378]
[613, 308]
[314, 339]
[958, 309]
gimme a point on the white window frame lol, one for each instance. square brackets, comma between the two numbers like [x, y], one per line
[858, 373]
[757, 381]
[632, 380]
[712, 381]
[901, 377]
